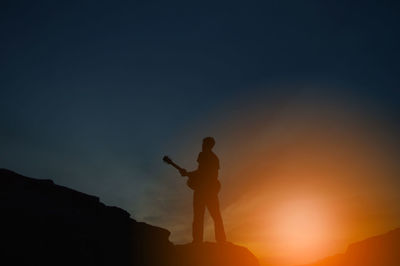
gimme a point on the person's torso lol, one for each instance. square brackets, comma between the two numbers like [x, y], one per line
[208, 165]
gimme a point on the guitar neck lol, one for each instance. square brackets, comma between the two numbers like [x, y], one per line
[176, 166]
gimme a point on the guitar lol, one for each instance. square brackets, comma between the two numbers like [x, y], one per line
[191, 182]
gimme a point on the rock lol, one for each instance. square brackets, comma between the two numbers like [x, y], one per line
[46, 224]
[214, 254]
[378, 250]
[382, 250]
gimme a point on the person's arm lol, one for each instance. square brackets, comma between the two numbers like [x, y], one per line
[191, 173]
[183, 172]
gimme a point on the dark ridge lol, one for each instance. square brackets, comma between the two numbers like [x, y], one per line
[381, 250]
[212, 254]
[46, 224]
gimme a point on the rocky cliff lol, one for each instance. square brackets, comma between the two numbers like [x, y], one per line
[382, 250]
[46, 224]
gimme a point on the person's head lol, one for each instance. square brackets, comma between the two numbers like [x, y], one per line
[208, 143]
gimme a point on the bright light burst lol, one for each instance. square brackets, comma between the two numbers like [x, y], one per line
[302, 227]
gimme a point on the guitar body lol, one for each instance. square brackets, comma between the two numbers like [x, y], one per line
[191, 183]
[199, 183]
[195, 180]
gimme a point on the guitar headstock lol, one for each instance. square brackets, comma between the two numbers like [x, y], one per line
[167, 160]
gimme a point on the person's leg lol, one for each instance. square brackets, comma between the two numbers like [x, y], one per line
[198, 217]
[213, 208]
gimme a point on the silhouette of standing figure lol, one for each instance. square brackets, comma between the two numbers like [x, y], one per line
[206, 192]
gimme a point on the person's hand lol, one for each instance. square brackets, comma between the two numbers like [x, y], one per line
[183, 172]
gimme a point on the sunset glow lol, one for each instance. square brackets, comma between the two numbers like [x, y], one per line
[303, 227]
[309, 180]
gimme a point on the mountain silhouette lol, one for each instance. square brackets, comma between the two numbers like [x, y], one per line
[381, 250]
[46, 224]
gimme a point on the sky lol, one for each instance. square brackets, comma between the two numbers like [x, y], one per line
[302, 98]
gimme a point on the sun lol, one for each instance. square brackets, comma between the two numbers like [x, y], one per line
[302, 228]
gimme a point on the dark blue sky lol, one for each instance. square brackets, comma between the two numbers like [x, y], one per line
[93, 93]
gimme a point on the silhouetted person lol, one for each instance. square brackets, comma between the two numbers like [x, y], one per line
[206, 191]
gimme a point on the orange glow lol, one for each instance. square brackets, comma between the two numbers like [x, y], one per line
[302, 182]
[302, 228]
